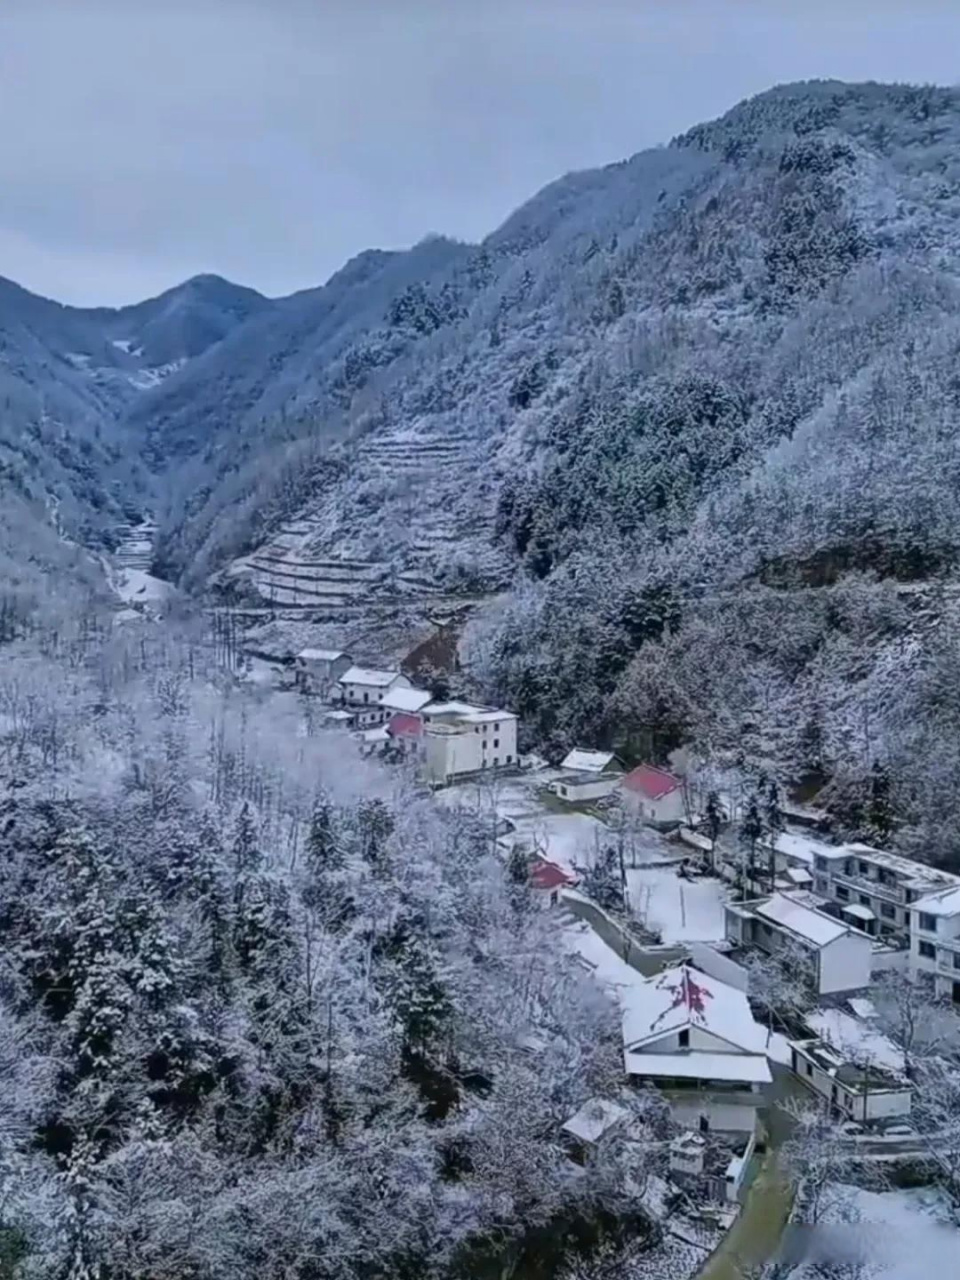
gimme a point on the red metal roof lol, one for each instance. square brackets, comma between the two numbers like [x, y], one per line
[404, 726]
[651, 782]
[547, 875]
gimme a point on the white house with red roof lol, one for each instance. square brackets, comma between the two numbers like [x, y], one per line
[548, 879]
[654, 795]
[696, 1039]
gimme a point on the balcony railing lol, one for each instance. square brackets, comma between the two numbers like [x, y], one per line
[864, 884]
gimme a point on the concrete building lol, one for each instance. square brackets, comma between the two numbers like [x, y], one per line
[460, 739]
[654, 795]
[876, 889]
[581, 788]
[853, 1090]
[318, 670]
[547, 880]
[697, 1041]
[839, 958]
[366, 686]
[935, 941]
[595, 1122]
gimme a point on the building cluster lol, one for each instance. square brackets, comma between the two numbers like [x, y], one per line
[451, 739]
[856, 909]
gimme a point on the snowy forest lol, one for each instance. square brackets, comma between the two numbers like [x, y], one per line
[262, 1007]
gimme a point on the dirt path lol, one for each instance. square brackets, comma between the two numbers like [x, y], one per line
[754, 1238]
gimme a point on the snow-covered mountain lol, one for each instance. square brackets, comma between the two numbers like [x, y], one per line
[700, 404]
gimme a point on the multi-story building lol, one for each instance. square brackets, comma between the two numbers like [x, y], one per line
[460, 739]
[875, 889]
[935, 942]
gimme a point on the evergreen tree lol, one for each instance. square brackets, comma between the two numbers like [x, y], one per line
[879, 809]
[751, 829]
[420, 999]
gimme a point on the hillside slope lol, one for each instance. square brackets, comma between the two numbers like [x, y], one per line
[691, 418]
[700, 405]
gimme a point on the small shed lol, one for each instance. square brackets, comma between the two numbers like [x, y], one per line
[548, 879]
[319, 669]
[596, 1120]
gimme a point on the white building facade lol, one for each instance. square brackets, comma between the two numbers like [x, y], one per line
[838, 957]
[852, 1090]
[696, 1040]
[935, 941]
[460, 739]
[366, 686]
[654, 795]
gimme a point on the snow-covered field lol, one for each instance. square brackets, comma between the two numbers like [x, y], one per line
[680, 910]
[893, 1235]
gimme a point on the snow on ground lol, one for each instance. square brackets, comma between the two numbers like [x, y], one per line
[569, 839]
[136, 586]
[858, 1039]
[892, 1235]
[680, 910]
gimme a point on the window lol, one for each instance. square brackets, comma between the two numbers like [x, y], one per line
[704, 1124]
[927, 950]
[848, 867]
[496, 743]
[563, 790]
[366, 696]
[886, 909]
[821, 884]
[820, 864]
[509, 759]
[843, 893]
[476, 728]
[683, 1038]
[809, 1067]
[928, 923]
[864, 900]
[863, 868]
[956, 959]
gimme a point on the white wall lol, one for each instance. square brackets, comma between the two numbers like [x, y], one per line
[595, 789]
[699, 1039]
[718, 966]
[896, 1102]
[724, 1116]
[354, 693]
[845, 964]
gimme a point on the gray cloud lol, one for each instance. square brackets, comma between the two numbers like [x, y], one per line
[269, 141]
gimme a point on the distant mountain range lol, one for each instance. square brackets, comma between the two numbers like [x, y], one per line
[687, 391]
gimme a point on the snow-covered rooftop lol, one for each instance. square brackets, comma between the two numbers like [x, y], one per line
[804, 849]
[595, 1118]
[750, 1067]
[858, 1041]
[684, 997]
[916, 875]
[466, 712]
[370, 676]
[320, 655]
[411, 700]
[946, 902]
[814, 926]
[581, 761]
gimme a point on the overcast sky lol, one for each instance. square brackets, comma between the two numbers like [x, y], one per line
[144, 141]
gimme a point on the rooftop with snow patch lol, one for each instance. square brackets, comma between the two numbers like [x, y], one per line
[581, 761]
[683, 997]
[370, 676]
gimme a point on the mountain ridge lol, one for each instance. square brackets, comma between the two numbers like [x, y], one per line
[699, 400]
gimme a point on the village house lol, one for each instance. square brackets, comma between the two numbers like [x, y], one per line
[696, 1039]
[654, 795]
[461, 739]
[404, 700]
[838, 957]
[366, 686]
[548, 880]
[406, 730]
[318, 670]
[935, 948]
[587, 775]
[853, 1089]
